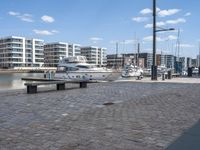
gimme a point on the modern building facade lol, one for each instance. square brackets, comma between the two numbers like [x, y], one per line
[21, 52]
[95, 55]
[53, 52]
[168, 61]
[115, 61]
[118, 61]
[198, 60]
[74, 50]
[148, 59]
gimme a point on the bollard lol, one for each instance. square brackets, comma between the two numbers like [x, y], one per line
[199, 71]
[169, 73]
[189, 71]
[163, 76]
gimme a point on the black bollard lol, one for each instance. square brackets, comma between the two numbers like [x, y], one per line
[169, 73]
[163, 76]
[189, 71]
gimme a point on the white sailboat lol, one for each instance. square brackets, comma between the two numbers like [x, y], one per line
[77, 68]
[132, 68]
[132, 71]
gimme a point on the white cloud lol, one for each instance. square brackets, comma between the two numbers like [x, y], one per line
[47, 19]
[188, 14]
[128, 42]
[159, 39]
[95, 39]
[140, 19]
[146, 11]
[24, 17]
[148, 26]
[176, 21]
[187, 46]
[159, 24]
[150, 38]
[45, 32]
[55, 31]
[172, 37]
[169, 12]
[12, 13]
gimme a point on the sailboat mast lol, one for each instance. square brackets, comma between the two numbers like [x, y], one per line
[178, 43]
[116, 57]
[138, 52]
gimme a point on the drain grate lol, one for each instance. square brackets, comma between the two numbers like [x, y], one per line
[108, 103]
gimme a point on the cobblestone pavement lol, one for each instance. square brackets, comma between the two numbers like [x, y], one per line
[138, 116]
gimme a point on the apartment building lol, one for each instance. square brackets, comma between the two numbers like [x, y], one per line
[55, 51]
[94, 55]
[168, 61]
[21, 52]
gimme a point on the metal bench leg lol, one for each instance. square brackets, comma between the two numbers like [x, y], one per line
[31, 89]
[60, 86]
[83, 84]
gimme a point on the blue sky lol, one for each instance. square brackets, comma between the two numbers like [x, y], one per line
[104, 22]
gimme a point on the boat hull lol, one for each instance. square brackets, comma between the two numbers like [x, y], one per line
[84, 75]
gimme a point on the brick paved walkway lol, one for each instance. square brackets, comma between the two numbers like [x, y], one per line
[144, 116]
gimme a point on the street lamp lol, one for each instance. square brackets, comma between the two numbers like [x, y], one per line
[154, 65]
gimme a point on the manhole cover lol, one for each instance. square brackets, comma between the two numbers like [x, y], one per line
[108, 103]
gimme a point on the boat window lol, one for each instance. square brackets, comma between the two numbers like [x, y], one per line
[78, 76]
[81, 66]
[71, 69]
[61, 69]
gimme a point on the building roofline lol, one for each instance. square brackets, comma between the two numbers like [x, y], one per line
[20, 37]
[51, 43]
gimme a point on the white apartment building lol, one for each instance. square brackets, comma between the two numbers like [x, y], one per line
[167, 60]
[94, 55]
[21, 52]
[53, 52]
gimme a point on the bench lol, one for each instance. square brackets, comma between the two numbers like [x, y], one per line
[60, 85]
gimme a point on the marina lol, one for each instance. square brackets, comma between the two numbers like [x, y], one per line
[99, 75]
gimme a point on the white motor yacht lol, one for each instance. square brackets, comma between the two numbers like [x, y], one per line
[77, 68]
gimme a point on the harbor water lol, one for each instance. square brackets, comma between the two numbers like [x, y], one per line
[9, 81]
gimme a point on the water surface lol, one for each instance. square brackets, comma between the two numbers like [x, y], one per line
[9, 81]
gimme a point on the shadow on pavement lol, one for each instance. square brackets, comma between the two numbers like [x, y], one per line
[189, 140]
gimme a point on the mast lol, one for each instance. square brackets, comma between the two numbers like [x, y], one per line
[116, 57]
[138, 52]
[177, 52]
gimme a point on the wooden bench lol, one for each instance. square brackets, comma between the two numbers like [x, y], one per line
[60, 85]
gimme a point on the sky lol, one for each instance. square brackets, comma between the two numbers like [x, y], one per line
[104, 23]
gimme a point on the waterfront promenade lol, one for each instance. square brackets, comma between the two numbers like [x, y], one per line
[138, 115]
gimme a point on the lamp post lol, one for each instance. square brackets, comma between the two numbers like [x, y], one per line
[154, 65]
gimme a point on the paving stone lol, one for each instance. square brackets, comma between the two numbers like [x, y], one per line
[143, 116]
